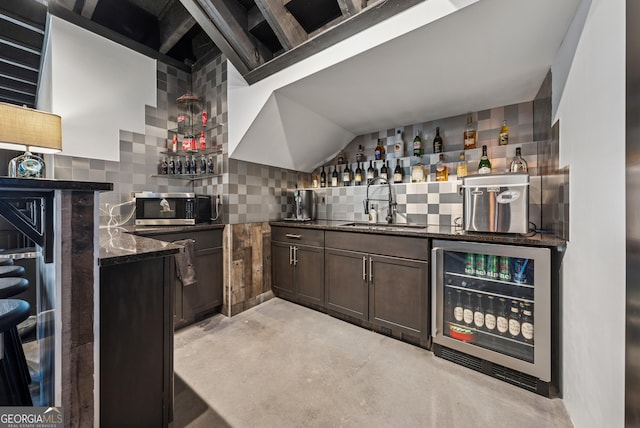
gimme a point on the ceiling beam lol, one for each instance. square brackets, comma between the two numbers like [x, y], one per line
[288, 30]
[350, 7]
[88, 8]
[174, 22]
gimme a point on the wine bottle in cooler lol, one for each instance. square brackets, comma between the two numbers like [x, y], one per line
[526, 326]
[490, 315]
[458, 309]
[468, 310]
[514, 320]
[448, 311]
[478, 313]
[502, 320]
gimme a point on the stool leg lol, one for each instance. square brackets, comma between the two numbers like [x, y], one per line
[16, 364]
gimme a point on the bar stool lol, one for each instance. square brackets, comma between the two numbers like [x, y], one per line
[6, 262]
[12, 286]
[11, 270]
[14, 382]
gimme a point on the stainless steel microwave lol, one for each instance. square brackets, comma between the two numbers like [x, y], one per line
[160, 209]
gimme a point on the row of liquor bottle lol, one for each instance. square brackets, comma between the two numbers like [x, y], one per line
[470, 140]
[419, 172]
[503, 268]
[177, 165]
[513, 319]
[189, 143]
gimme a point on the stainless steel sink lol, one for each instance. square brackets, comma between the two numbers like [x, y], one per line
[387, 227]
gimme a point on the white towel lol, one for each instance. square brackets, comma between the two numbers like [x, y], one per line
[185, 269]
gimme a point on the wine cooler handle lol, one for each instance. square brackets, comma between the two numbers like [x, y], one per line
[436, 283]
[293, 236]
[364, 268]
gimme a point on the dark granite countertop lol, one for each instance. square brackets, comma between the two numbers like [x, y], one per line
[13, 183]
[117, 246]
[155, 230]
[428, 231]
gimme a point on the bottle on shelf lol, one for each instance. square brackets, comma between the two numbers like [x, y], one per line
[502, 322]
[397, 173]
[398, 147]
[503, 138]
[203, 141]
[448, 311]
[470, 134]
[194, 165]
[204, 119]
[514, 320]
[418, 171]
[526, 326]
[442, 170]
[384, 171]
[172, 166]
[379, 151]
[458, 309]
[334, 176]
[323, 178]
[478, 313]
[467, 312]
[437, 142]
[484, 167]
[346, 176]
[187, 165]
[518, 164]
[417, 145]
[461, 168]
[357, 176]
[174, 144]
[360, 153]
[371, 172]
[210, 165]
[203, 164]
[186, 142]
[179, 165]
[490, 316]
[164, 166]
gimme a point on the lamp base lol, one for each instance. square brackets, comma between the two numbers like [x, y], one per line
[27, 165]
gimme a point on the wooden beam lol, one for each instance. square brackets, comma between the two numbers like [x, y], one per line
[88, 8]
[350, 7]
[288, 30]
[174, 22]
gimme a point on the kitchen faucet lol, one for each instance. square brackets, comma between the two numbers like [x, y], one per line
[392, 204]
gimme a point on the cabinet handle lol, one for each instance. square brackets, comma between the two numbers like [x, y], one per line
[295, 256]
[293, 236]
[290, 254]
[370, 270]
[364, 268]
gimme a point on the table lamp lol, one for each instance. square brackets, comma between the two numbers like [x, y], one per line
[22, 128]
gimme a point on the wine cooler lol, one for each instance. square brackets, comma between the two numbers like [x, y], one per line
[492, 310]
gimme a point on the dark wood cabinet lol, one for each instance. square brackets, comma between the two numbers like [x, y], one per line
[196, 301]
[297, 258]
[380, 279]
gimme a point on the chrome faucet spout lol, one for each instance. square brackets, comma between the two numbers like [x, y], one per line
[392, 205]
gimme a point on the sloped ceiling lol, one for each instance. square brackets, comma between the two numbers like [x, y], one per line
[490, 53]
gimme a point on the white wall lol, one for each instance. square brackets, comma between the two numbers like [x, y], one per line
[591, 110]
[98, 87]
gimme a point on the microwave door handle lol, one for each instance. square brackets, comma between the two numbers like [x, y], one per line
[437, 281]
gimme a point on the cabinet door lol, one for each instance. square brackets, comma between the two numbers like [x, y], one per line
[309, 274]
[399, 298]
[282, 270]
[199, 298]
[346, 284]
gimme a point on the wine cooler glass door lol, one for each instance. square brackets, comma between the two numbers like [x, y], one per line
[493, 301]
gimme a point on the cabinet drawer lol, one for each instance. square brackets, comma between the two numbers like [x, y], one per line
[299, 235]
[397, 246]
[204, 238]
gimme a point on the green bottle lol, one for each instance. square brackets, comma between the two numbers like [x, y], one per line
[484, 167]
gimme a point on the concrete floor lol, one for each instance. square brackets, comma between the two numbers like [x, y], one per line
[283, 365]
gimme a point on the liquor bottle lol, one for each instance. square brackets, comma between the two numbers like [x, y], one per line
[514, 320]
[502, 323]
[484, 167]
[186, 143]
[210, 166]
[478, 313]
[503, 138]
[526, 326]
[194, 145]
[437, 142]
[346, 176]
[442, 170]
[194, 164]
[204, 118]
[417, 145]
[379, 152]
[397, 173]
[164, 166]
[384, 171]
[323, 178]
[467, 313]
[470, 134]
[418, 171]
[174, 144]
[203, 141]
[187, 165]
[334, 177]
[490, 316]
[203, 164]
[458, 310]
[360, 153]
[371, 173]
[448, 311]
[518, 164]
[179, 165]
[398, 147]
[172, 166]
[461, 169]
[357, 178]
